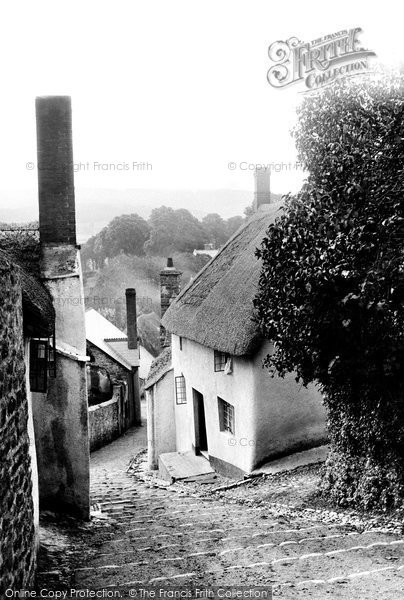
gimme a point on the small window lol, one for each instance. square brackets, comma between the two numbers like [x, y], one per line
[180, 390]
[180, 343]
[52, 358]
[226, 416]
[220, 360]
[42, 363]
[38, 367]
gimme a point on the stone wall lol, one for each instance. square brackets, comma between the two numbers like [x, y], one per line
[116, 371]
[106, 419]
[17, 532]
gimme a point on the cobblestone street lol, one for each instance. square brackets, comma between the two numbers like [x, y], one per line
[153, 534]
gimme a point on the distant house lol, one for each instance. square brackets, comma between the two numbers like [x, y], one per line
[208, 250]
[226, 406]
[116, 359]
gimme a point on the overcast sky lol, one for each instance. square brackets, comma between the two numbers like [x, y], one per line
[180, 84]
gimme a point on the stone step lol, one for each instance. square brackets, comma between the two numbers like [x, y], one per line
[231, 536]
[373, 584]
[297, 571]
[191, 567]
[244, 552]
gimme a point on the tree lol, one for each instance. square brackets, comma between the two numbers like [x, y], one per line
[249, 210]
[126, 234]
[173, 231]
[215, 229]
[232, 224]
[331, 289]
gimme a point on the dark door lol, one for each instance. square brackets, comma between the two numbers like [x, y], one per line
[201, 440]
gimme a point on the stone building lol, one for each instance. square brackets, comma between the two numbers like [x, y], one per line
[44, 446]
[122, 359]
[26, 314]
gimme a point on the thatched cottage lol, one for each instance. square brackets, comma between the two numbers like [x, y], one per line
[226, 405]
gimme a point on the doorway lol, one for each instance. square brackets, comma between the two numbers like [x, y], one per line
[201, 440]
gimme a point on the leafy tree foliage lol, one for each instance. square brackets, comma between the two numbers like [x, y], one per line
[215, 229]
[331, 290]
[167, 231]
[174, 230]
[232, 224]
[125, 234]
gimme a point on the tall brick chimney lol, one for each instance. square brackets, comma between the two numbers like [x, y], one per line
[170, 287]
[131, 318]
[262, 195]
[62, 439]
[57, 220]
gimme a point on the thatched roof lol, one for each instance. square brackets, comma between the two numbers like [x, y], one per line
[38, 309]
[148, 328]
[216, 308]
[159, 367]
[39, 313]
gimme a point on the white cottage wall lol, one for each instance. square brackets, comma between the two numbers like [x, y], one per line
[161, 436]
[273, 416]
[231, 454]
[61, 416]
[288, 417]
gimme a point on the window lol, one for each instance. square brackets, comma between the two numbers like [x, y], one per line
[180, 390]
[52, 358]
[226, 416]
[180, 343]
[38, 368]
[220, 360]
[42, 363]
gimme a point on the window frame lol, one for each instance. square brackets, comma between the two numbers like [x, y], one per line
[38, 365]
[180, 390]
[220, 360]
[227, 420]
[41, 368]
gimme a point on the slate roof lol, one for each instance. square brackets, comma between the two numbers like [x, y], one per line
[111, 340]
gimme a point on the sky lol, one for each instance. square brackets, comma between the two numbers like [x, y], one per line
[179, 85]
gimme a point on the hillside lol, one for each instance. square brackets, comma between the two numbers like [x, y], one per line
[96, 207]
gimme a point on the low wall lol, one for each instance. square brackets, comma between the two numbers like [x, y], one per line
[104, 423]
[107, 420]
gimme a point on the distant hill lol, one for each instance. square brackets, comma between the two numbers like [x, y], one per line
[97, 207]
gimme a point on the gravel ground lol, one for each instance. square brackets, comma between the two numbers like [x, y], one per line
[295, 492]
[272, 530]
